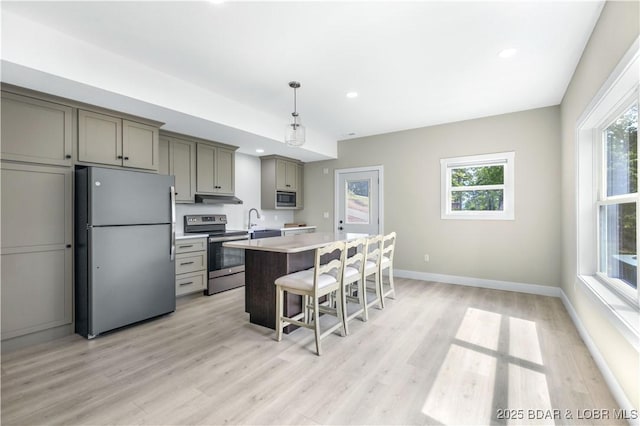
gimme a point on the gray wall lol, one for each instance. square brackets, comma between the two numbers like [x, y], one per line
[614, 33]
[526, 250]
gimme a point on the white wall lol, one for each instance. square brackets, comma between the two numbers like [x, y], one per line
[42, 58]
[612, 36]
[248, 190]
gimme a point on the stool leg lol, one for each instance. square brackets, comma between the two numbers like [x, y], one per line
[316, 324]
[379, 293]
[341, 309]
[362, 297]
[392, 291]
[279, 312]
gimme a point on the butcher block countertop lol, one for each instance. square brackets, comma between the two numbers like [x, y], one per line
[294, 243]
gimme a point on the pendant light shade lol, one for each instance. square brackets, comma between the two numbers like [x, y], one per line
[295, 132]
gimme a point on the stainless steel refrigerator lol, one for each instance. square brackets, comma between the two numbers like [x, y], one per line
[125, 248]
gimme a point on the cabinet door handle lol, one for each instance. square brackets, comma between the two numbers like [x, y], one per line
[126, 158]
[119, 157]
[190, 245]
[67, 156]
[187, 283]
[186, 263]
[68, 245]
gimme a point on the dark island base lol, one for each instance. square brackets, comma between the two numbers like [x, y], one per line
[262, 268]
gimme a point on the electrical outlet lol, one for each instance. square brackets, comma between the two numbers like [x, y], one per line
[275, 217]
[325, 170]
[426, 257]
[325, 215]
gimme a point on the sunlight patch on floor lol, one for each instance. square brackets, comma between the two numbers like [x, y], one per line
[465, 377]
[469, 373]
[481, 328]
[523, 340]
[529, 395]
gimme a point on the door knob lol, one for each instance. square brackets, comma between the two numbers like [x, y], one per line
[340, 228]
[341, 221]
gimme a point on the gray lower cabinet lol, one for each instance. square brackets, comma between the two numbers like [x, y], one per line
[36, 277]
[178, 158]
[215, 170]
[111, 140]
[191, 265]
[36, 131]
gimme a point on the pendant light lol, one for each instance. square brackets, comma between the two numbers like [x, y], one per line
[295, 133]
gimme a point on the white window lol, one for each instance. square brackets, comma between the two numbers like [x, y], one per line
[607, 138]
[617, 172]
[478, 187]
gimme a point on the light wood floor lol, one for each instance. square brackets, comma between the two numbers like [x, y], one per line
[438, 354]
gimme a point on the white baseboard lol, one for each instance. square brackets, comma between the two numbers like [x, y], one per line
[542, 290]
[609, 378]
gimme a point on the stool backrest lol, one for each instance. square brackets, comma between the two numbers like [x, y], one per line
[374, 249]
[355, 260]
[331, 264]
[388, 245]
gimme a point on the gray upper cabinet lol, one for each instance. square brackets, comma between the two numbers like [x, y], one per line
[163, 155]
[106, 139]
[36, 259]
[286, 175]
[178, 158]
[99, 138]
[215, 169]
[139, 145]
[36, 131]
[225, 165]
[280, 174]
[300, 186]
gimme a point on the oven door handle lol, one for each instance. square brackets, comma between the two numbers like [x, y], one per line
[221, 239]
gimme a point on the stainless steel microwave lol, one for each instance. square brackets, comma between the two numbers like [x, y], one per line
[285, 199]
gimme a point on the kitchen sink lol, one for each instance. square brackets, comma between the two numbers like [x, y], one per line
[265, 233]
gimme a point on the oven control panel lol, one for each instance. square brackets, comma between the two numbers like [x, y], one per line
[200, 219]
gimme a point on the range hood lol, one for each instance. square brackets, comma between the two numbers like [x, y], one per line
[217, 199]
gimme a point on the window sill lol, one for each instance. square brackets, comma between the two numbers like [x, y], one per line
[622, 315]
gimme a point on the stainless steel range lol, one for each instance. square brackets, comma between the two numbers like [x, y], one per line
[226, 265]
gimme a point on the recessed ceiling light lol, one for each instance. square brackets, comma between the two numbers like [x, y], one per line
[259, 150]
[508, 53]
[352, 95]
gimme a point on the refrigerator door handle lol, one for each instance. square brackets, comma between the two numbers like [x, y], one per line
[172, 195]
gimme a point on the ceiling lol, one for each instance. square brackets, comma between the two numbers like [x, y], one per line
[413, 64]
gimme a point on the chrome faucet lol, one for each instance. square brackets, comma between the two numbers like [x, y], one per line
[258, 217]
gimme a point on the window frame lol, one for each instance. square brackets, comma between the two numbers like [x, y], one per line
[506, 159]
[615, 95]
[602, 199]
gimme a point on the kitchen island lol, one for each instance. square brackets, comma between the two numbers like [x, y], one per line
[267, 259]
